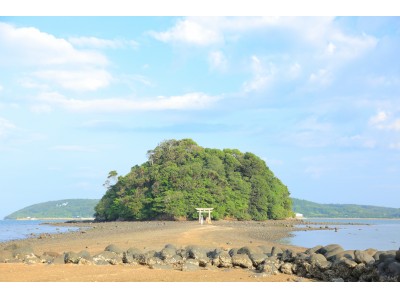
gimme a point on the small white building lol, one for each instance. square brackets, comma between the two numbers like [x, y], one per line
[299, 216]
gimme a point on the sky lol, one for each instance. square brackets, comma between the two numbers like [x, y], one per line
[318, 98]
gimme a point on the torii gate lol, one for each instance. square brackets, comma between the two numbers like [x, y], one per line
[201, 210]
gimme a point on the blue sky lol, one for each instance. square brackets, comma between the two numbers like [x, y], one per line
[316, 97]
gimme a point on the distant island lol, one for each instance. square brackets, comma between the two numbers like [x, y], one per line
[315, 210]
[84, 208]
[59, 209]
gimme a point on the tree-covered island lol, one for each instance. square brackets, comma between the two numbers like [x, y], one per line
[180, 175]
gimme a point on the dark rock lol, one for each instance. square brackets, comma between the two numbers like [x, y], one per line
[175, 261]
[397, 257]
[242, 260]
[199, 253]
[71, 257]
[288, 255]
[394, 268]
[387, 254]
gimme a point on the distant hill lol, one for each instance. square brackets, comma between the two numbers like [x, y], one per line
[315, 210]
[67, 208]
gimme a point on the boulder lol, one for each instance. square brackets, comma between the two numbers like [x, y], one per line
[222, 260]
[107, 257]
[199, 253]
[233, 251]
[71, 257]
[363, 257]
[313, 250]
[190, 265]
[347, 254]
[333, 252]
[328, 248]
[397, 257]
[276, 251]
[242, 260]
[286, 268]
[288, 255]
[268, 268]
[167, 253]
[115, 249]
[131, 256]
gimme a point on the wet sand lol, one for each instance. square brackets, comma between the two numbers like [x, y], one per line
[94, 237]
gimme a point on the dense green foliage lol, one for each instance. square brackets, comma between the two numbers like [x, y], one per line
[68, 208]
[180, 176]
[313, 210]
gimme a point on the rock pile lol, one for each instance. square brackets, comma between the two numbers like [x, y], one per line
[324, 263]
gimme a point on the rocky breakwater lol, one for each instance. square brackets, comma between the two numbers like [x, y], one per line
[329, 263]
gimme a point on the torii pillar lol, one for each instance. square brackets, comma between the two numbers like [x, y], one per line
[201, 210]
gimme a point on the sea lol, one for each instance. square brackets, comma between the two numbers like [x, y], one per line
[351, 234]
[21, 229]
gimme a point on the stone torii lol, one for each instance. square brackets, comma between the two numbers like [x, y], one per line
[201, 210]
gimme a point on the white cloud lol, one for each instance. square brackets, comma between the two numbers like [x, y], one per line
[41, 108]
[262, 75]
[6, 127]
[190, 101]
[77, 80]
[294, 71]
[217, 60]
[385, 121]
[189, 31]
[321, 77]
[93, 42]
[30, 46]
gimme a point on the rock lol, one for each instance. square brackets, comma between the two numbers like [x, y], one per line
[338, 279]
[288, 255]
[363, 257]
[233, 251]
[115, 249]
[242, 260]
[397, 257]
[331, 253]
[198, 253]
[269, 268]
[286, 268]
[189, 267]
[328, 248]
[71, 257]
[394, 268]
[387, 254]
[167, 252]
[275, 251]
[371, 251]
[347, 254]
[266, 250]
[175, 261]
[222, 260]
[313, 250]
[343, 268]
[109, 257]
[131, 256]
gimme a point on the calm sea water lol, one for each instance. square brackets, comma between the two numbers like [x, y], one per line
[381, 234]
[15, 230]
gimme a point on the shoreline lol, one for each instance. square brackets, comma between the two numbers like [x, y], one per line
[94, 238]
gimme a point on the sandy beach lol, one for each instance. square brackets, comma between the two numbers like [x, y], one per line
[94, 237]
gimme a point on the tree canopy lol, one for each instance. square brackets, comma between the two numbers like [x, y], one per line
[181, 175]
